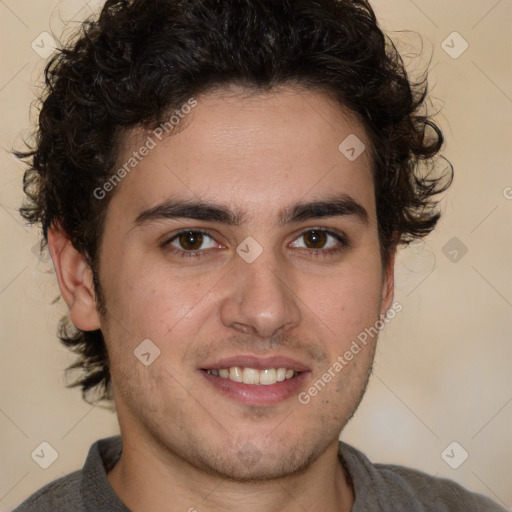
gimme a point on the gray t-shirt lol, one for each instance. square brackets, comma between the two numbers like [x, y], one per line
[378, 487]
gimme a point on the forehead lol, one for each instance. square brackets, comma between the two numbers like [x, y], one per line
[250, 150]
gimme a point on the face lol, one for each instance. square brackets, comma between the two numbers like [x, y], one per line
[244, 240]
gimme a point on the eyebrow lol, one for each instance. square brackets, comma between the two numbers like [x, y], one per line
[340, 205]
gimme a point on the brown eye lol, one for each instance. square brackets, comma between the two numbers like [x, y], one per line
[315, 239]
[320, 241]
[192, 243]
[190, 240]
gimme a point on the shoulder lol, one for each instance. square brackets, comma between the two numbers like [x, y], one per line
[446, 495]
[85, 489]
[397, 488]
[61, 494]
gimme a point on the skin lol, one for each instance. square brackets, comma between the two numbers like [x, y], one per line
[185, 443]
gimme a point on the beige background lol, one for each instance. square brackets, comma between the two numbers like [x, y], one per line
[443, 371]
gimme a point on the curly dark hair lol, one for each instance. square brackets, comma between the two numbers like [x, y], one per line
[141, 59]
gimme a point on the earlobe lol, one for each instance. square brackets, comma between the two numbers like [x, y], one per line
[74, 276]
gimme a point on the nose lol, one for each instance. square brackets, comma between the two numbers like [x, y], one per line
[261, 300]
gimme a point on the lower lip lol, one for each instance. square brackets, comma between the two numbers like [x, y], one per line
[257, 395]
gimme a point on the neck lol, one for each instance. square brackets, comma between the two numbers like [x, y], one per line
[148, 479]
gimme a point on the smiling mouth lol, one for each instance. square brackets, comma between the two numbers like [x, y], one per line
[253, 376]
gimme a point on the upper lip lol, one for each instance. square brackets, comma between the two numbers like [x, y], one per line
[257, 362]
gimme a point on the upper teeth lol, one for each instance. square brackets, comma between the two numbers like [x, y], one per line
[254, 376]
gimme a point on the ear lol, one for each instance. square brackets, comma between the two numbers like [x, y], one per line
[74, 276]
[388, 282]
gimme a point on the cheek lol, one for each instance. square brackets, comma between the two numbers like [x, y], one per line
[155, 301]
[347, 300]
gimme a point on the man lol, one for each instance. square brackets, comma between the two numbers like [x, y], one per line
[223, 186]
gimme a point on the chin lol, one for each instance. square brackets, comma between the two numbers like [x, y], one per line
[249, 464]
[264, 470]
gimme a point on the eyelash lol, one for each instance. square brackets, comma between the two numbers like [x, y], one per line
[204, 252]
